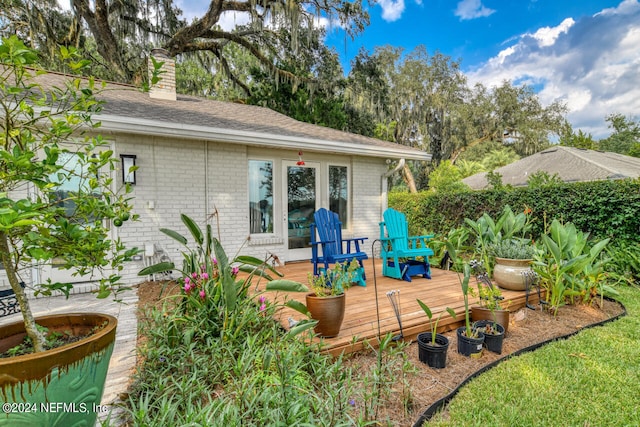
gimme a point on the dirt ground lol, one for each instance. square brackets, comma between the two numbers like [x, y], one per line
[527, 327]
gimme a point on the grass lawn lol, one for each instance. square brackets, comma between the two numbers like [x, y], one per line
[591, 379]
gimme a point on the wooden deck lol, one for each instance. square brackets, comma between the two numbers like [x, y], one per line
[360, 323]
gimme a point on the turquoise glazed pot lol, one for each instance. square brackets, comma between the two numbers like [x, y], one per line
[62, 386]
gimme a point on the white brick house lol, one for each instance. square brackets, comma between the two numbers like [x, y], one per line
[236, 165]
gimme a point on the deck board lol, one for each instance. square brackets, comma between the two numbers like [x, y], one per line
[360, 324]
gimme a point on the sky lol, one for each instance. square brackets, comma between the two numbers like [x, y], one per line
[585, 53]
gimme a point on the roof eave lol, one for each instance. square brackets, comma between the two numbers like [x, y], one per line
[151, 127]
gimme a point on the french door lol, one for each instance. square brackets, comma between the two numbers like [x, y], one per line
[302, 190]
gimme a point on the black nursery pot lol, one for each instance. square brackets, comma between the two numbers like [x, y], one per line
[471, 347]
[493, 342]
[433, 355]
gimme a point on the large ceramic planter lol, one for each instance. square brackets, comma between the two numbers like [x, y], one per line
[507, 273]
[433, 355]
[328, 311]
[501, 316]
[62, 386]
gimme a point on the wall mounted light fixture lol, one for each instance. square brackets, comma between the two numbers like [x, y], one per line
[128, 174]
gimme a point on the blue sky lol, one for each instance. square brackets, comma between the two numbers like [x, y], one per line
[585, 53]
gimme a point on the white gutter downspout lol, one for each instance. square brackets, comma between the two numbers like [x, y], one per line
[385, 185]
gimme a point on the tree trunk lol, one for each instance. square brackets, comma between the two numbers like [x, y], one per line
[106, 42]
[37, 338]
[456, 153]
[408, 179]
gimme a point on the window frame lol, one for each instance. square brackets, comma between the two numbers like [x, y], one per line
[274, 196]
[346, 225]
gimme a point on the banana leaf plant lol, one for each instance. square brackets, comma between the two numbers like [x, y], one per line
[434, 324]
[464, 284]
[565, 262]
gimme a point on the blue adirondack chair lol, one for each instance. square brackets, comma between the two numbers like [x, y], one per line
[334, 247]
[400, 252]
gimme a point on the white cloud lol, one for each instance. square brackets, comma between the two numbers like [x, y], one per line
[591, 64]
[471, 9]
[391, 9]
[547, 36]
[626, 6]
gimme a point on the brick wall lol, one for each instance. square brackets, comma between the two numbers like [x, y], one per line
[171, 180]
[208, 181]
[366, 198]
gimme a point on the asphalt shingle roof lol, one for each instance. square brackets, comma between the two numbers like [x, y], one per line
[128, 102]
[571, 164]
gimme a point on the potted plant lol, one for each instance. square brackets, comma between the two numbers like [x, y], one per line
[489, 299]
[512, 258]
[487, 232]
[469, 339]
[493, 334]
[57, 202]
[326, 303]
[432, 346]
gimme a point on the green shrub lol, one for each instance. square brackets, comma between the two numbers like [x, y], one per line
[604, 209]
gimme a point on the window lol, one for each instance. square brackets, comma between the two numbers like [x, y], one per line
[71, 179]
[339, 193]
[260, 196]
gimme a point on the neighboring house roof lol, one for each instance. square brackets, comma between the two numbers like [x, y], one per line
[571, 164]
[127, 109]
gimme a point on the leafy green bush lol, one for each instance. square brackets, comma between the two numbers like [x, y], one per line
[604, 209]
[623, 265]
[58, 198]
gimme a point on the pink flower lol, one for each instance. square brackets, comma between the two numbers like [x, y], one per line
[204, 276]
[263, 307]
[187, 287]
[262, 299]
[194, 275]
[202, 294]
[235, 271]
[187, 279]
[214, 261]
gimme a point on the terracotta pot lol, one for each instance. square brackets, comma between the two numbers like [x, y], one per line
[328, 311]
[62, 386]
[507, 273]
[501, 316]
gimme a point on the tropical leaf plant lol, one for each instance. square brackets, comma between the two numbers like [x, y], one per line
[567, 263]
[464, 284]
[222, 287]
[434, 324]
